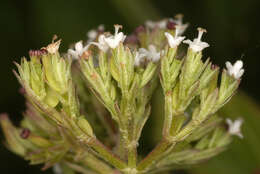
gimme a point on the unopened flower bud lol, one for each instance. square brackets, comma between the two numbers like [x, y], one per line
[85, 126]
[140, 29]
[25, 133]
[171, 24]
[37, 53]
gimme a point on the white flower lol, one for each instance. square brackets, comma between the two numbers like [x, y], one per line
[79, 50]
[139, 58]
[179, 23]
[113, 41]
[160, 24]
[234, 127]
[92, 34]
[101, 44]
[174, 41]
[101, 28]
[197, 45]
[151, 53]
[236, 70]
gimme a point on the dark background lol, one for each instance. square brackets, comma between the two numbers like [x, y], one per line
[233, 33]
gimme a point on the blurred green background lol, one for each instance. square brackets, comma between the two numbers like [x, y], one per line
[233, 33]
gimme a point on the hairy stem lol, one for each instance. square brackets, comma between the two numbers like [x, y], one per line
[132, 156]
[107, 155]
[168, 114]
[153, 156]
[97, 165]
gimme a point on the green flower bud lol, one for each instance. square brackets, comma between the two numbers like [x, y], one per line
[124, 63]
[148, 73]
[13, 140]
[227, 88]
[38, 141]
[207, 106]
[191, 71]
[205, 128]
[32, 75]
[57, 72]
[51, 98]
[85, 126]
[207, 77]
[203, 143]
[170, 69]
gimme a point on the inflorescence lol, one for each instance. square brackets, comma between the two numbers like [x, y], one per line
[86, 109]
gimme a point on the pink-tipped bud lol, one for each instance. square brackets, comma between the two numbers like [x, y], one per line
[214, 66]
[131, 39]
[139, 29]
[36, 53]
[22, 91]
[25, 133]
[171, 25]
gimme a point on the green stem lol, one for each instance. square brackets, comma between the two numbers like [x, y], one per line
[168, 114]
[153, 156]
[97, 165]
[107, 155]
[79, 168]
[132, 156]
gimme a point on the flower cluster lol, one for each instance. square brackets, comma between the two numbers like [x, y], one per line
[86, 110]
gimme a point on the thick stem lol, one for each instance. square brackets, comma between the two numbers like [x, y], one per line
[131, 146]
[153, 156]
[79, 168]
[168, 114]
[132, 156]
[97, 165]
[164, 146]
[107, 155]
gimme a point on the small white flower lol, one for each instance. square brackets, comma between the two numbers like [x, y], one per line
[79, 50]
[101, 44]
[179, 23]
[174, 41]
[236, 70]
[162, 24]
[101, 28]
[113, 41]
[92, 34]
[234, 127]
[139, 58]
[197, 45]
[151, 53]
